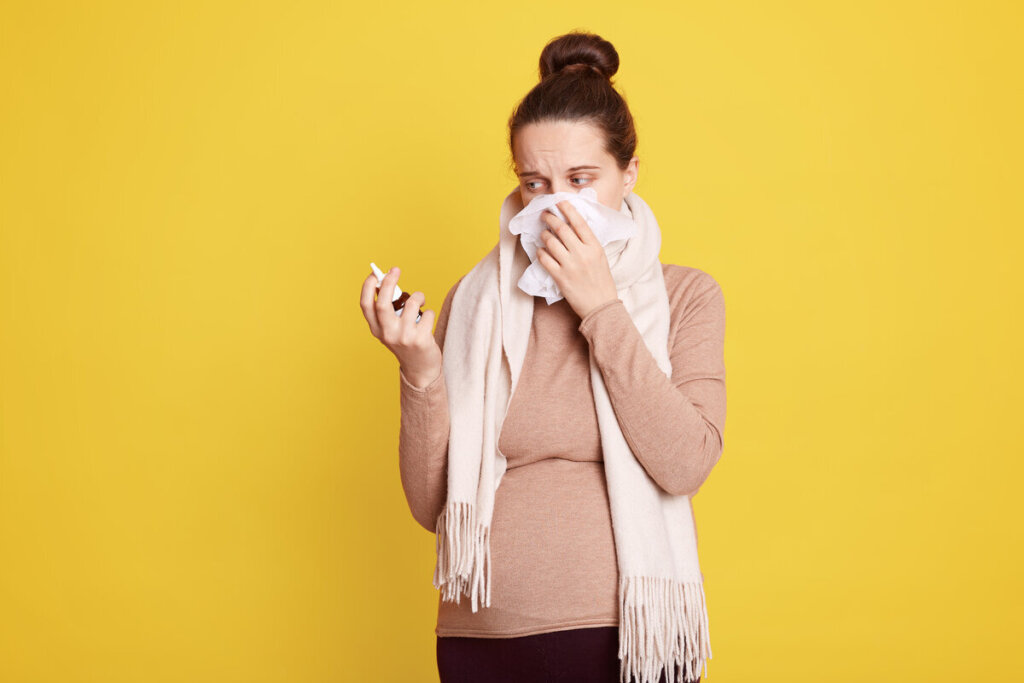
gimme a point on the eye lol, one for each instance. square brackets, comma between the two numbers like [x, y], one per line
[581, 178]
[529, 183]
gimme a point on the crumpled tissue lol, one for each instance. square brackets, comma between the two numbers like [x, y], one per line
[611, 228]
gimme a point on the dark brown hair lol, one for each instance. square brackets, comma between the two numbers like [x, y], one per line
[576, 72]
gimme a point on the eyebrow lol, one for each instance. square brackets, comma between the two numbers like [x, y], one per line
[525, 174]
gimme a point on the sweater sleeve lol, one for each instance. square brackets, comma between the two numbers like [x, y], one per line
[672, 425]
[423, 437]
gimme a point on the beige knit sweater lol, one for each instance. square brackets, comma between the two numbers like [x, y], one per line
[552, 547]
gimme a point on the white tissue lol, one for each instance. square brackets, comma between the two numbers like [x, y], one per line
[608, 225]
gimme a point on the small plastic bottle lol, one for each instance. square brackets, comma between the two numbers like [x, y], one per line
[399, 298]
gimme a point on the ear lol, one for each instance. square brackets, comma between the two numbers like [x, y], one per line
[629, 176]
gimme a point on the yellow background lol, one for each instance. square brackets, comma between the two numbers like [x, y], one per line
[198, 434]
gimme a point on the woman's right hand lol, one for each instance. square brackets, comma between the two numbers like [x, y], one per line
[412, 343]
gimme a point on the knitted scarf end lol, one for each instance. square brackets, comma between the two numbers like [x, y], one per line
[663, 625]
[463, 555]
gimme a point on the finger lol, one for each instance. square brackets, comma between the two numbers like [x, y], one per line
[581, 230]
[366, 303]
[427, 321]
[553, 244]
[552, 221]
[564, 234]
[560, 229]
[386, 317]
[407, 319]
[550, 264]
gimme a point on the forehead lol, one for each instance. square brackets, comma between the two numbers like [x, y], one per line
[549, 144]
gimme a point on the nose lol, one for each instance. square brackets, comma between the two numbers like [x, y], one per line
[559, 185]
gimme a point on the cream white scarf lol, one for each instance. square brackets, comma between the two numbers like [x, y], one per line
[663, 623]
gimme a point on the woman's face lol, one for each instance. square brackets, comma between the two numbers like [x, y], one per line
[565, 156]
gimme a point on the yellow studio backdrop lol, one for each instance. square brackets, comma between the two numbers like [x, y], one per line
[198, 433]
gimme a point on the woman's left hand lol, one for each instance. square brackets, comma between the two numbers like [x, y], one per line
[576, 261]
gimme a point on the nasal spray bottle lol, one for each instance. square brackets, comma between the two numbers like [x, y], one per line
[399, 298]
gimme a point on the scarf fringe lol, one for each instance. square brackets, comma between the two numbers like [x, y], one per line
[664, 625]
[463, 555]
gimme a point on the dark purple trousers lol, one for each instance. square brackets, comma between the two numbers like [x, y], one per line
[581, 654]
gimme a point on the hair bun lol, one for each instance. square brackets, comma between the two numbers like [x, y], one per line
[581, 53]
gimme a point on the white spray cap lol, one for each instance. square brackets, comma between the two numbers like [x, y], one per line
[380, 279]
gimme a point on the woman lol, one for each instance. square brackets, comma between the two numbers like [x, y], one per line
[554, 611]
